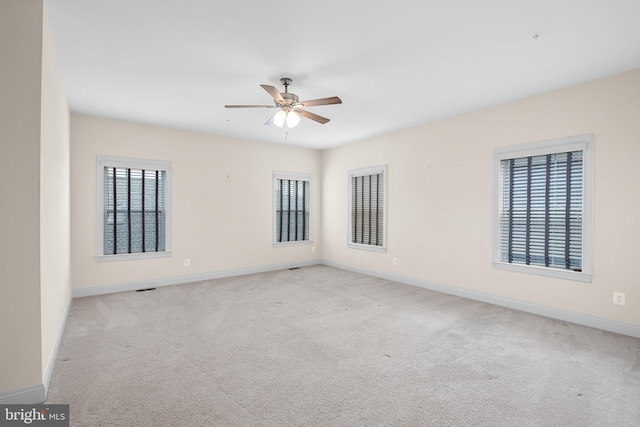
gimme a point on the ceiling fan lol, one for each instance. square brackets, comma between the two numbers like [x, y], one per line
[289, 105]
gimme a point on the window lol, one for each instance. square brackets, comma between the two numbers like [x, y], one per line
[543, 218]
[367, 219]
[292, 195]
[134, 216]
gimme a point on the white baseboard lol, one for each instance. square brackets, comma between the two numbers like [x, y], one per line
[38, 393]
[551, 312]
[24, 396]
[56, 345]
[188, 278]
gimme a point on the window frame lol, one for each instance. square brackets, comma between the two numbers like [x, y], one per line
[374, 170]
[132, 163]
[291, 176]
[561, 145]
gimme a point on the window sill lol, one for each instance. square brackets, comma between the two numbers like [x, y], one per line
[132, 257]
[370, 248]
[543, 271]
[295, 243]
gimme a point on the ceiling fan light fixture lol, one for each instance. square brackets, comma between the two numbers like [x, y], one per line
[292, 119]
[279, 118]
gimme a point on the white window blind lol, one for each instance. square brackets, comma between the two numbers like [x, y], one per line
[541, 210]
[134, 214]
[292, 200]
[134, 210]
[368, 208]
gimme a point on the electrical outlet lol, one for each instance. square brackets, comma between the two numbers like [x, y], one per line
[395, 261]
[187, 262]
[313, 248]
[618, 298]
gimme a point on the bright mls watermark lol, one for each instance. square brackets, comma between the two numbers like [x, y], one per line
[34, 415]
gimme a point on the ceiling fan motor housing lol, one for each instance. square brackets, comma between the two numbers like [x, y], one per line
[290, 99]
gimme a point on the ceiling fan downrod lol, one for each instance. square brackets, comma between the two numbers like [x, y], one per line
[290, 99]
[285, 81]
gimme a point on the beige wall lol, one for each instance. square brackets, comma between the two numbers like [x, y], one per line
[55, 204]
[35, 282]
[222, 200]
[440, 192]
[21, 50]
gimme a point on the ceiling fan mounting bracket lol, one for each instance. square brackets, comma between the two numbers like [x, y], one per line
[286, 81]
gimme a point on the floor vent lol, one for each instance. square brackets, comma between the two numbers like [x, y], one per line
[294, 268]
[144, 290]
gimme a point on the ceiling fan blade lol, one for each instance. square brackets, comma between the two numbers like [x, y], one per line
[311, 116]
[273, 92]
[249, 106]
[321, 101]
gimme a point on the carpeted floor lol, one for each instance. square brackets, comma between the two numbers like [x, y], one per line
[319, 346]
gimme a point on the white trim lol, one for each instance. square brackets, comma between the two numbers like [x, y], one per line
[544, 271]
[550, 312]
[371, 248]
[189, 278]
[56, 346]
[540, 148]
[294, 243]
[38, 393]
[373, 170]
[24, 396]
[128, 162]
[295, 177]
[561, 145]
[134, 256]
[292, 176]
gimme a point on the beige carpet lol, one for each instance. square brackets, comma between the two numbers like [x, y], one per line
[318, 346]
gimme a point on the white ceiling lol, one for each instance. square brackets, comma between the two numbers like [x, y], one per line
[395, 64]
